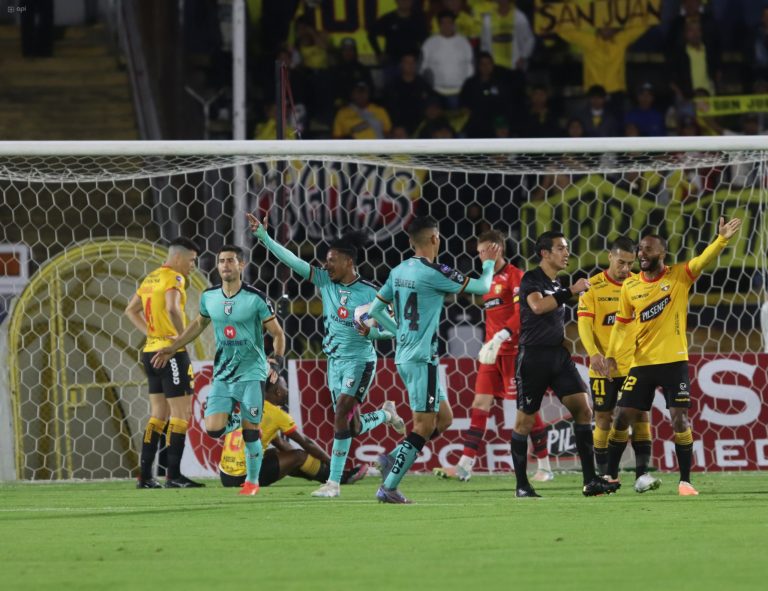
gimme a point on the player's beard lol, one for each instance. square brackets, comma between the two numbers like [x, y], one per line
[654, 265]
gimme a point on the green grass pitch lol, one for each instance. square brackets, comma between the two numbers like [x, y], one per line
[468, 536]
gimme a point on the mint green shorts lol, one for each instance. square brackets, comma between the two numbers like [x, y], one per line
[424, 390]
[250, 395]
[352, 377]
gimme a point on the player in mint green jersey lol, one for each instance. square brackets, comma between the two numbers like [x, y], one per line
[351, 356]
[417, 288]
[240, 314]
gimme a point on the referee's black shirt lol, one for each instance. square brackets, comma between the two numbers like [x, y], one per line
[540, 330]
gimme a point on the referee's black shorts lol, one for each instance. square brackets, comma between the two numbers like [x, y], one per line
[539, 368]
[173, 380]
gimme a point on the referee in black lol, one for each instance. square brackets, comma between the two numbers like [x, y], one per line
[543, 362]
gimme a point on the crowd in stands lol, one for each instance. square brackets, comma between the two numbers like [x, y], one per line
[476, 69]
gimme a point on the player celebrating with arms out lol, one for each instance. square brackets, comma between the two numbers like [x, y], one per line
[597, 315]
[240, 314]
[157, 310]
[657, 301]
[417, 288]
[543, 362]
[351, 356]
[496, 370]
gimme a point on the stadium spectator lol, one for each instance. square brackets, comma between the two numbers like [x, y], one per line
[404, 30]
[645, 117]
[574, 128]
[505, 33]
[434, 117]
[36, 28]
[348, 72]
[447, 60]
[466, 23]
[406, 96]
[595, 117]
[693, 63]
[490, 93]
[604, 54]
[361, 119]
[756, 51]
[539, 120]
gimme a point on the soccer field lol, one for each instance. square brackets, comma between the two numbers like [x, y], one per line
[108, 535]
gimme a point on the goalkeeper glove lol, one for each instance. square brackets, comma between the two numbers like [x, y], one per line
[490, 350]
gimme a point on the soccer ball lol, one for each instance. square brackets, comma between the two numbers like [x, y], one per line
[362, 316]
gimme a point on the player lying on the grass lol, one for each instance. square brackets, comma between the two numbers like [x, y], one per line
[496, 367]
[417, 288]
[543, 362]
[351, 356]
[240, 314]
[157, 310]
[281, 460]
[597, 315]
[657, 302]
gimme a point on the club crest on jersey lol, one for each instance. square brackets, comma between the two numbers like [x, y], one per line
[342, 312]
[349, 383]
[656, 308]
[254, 411]
[228, 308]
[498, 288]
[343, 300]
[665, 286]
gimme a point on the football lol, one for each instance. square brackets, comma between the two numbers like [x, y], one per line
[362, 316]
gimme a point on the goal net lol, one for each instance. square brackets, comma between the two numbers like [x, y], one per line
[92, 219]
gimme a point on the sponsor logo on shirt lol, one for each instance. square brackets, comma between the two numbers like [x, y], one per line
[230, 332]
[610, 319]
[342, 312]
[656, 308]
[492, 303]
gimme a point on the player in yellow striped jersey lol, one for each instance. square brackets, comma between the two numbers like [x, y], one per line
[597, 315]
[656, 301]
[157, 310]
[310, 462]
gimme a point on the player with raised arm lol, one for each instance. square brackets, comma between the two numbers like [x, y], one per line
[417, 288]
[657, 301]
[351, 356]
[597, 315]
[543, 362]
[496, 367]
[157, 310]
[240, 314]
[308, 461]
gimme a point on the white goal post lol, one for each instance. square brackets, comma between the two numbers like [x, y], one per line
[94, 217]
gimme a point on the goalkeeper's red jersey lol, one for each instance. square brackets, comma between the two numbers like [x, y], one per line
[502, 309]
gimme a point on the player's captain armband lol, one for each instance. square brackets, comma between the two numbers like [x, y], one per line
[452, 274]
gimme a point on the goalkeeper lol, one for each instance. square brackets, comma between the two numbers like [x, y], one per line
[496, 370]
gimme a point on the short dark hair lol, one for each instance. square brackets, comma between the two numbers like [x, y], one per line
[233, 248]
[421, 223]
[545, 241]
[492, 236]
[185, 243]
[349, 244]
[662, 240]
[445, 14]
[623, 243]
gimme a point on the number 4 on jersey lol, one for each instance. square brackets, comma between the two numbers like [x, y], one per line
[410, 311]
